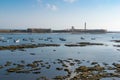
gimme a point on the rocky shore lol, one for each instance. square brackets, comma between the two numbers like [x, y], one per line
[74, 68]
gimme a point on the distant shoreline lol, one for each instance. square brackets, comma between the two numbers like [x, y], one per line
[40, 30]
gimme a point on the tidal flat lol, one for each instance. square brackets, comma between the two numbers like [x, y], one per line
[60, 56]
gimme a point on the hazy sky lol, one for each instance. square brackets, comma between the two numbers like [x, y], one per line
[60, 14]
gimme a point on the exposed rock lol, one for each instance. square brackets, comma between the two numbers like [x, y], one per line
[59, 68]
[14, 47]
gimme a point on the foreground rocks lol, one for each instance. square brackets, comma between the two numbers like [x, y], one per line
[70, 66]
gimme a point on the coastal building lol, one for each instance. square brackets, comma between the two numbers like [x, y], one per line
[61, 31]
[18, 31]
[85, 30]
[4, 31]
[72, 29]
[38, 30]
[95, 31]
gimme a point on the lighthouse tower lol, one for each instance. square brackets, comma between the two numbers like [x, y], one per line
[85, 26]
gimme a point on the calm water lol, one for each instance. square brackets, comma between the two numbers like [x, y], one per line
[106, 53]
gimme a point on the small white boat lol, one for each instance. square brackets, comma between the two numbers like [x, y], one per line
[17, 41]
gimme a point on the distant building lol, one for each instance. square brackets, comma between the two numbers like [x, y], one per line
[4, 31]
[61, 31]
[72, 29]
[85, 30]
[38, 30]
[95, 31]
[18, 31]
[12, 31]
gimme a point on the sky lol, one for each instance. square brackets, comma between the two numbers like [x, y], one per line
[60, 14]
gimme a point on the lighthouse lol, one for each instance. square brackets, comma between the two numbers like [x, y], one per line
[85, 26]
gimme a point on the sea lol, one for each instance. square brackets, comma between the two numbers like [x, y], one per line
[50, 56]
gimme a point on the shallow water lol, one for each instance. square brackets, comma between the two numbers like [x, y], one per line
[106, 53]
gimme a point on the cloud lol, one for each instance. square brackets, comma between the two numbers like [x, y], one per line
[52, 7]
[70, 1]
